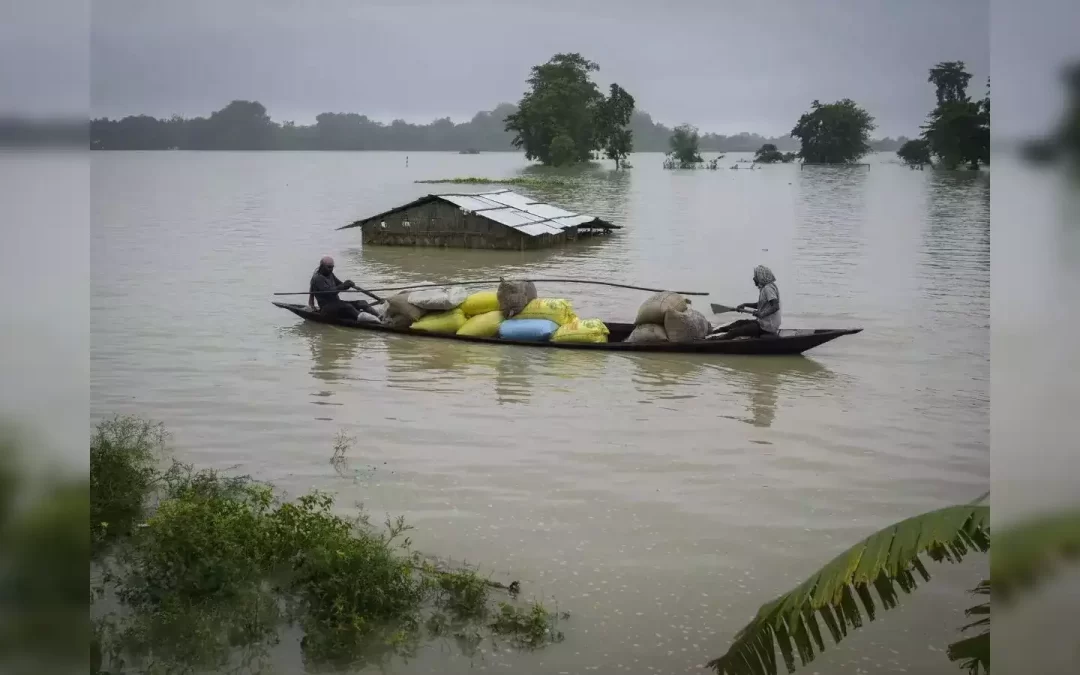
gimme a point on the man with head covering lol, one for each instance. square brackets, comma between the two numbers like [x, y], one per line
[324, 289]
[766, 310]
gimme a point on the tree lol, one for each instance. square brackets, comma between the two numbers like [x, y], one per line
[834, 133]
[563, 102]
[914, 153]
[957, 129]
[950, 81]
[684, 145]
[768, 154]
[614, 116]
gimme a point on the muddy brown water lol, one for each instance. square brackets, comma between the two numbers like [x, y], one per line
[660, 499]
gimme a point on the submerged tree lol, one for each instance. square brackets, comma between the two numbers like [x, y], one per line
[958, 128]
[614, 114]
[684, 146]
[915, 153]
[564, 104]
[834, 133]
[768, 154]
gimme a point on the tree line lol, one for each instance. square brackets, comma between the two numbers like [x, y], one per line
[242, 125]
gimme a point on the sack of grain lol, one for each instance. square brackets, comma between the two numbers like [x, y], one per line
[686, 326]
[582, 330]
[514, 295]
[553, 309]
[527, 330]
[648, 332]
[441, 322]
[480, 303]
[656, 308]
[482, 325]
[438, 299]
[400, 311]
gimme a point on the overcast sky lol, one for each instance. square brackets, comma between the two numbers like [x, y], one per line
[725, 66]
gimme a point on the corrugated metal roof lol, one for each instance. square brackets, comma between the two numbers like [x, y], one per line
[508, 208]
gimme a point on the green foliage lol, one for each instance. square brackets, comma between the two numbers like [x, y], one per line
[684, 144]
[768, 154]
[564, 117]
[220, 565]
[562, 151]
[530, 628]
[914, 153]
[950, 81]
[124, 452]
[883, 560]
[958, 129]
[834, 133]
[614, 115]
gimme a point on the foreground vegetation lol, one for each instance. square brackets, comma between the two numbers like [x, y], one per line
[889, 559]
[203, 570]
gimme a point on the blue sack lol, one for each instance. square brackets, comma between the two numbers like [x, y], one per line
[528, 330]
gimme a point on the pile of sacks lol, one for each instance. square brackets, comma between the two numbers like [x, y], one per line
[668, 317]
[512, 312]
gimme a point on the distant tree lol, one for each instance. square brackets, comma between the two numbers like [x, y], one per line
[563, 101]
[957, 129]
[614, 115]
[915, 153]
[950, 81]
[684, 145]
[834, 133]
[768, 154]
[789, 157]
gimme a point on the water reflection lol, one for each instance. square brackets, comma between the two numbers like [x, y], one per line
[332, 349]
[762, 380]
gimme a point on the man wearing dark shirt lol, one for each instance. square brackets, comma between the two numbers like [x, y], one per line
[324, 289]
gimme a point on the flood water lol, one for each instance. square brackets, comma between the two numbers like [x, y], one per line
[659, 499]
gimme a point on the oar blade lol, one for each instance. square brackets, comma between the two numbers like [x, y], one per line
[722, 309]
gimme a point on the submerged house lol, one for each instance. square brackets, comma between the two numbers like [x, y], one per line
[496, 220]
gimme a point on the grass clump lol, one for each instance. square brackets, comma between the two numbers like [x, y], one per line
[522, 181]
[217, 564]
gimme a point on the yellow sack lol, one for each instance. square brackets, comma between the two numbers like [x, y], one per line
[480, 303]
[582, 330]
[482, 325]
[557, 310]
[441, 322]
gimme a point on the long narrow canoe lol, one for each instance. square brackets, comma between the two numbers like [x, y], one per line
[790, 341]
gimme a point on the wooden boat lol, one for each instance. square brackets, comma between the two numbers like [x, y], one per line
[790, 341]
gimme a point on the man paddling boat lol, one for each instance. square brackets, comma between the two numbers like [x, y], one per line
[766, 311]
[324, 290]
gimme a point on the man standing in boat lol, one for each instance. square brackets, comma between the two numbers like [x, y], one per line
[324, 289]
[766, 311]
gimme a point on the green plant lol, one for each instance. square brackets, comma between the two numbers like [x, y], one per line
[124, 452]
[884, 560]
[1025, 553]
[527, 628]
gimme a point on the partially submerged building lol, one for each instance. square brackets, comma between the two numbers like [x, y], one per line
[496, 220]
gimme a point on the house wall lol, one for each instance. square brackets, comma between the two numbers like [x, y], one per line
[441, 224]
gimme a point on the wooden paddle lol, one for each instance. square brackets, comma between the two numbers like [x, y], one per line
[724, 309]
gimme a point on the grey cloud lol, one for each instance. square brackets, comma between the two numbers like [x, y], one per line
[726, 67]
